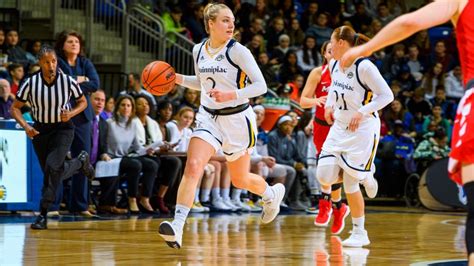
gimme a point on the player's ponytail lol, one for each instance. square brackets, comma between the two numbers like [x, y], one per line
[349, 35]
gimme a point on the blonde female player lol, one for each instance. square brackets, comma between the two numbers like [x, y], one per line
[314, 95]
[460, 12]
[356, 94]
[225, 120]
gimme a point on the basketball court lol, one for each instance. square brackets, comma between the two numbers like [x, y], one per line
[399, 236]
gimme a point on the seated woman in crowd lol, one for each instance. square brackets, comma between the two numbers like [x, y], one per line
[396, 112]
[123, 143]
[148, 132]
[438, 120]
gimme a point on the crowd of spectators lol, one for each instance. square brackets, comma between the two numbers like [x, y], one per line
[285, 38]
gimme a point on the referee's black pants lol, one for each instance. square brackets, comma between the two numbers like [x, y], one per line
[51, 147]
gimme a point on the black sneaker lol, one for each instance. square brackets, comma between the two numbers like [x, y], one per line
[41, 223]
[87, 169]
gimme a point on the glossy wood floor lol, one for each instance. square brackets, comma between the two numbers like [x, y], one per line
[399, 236]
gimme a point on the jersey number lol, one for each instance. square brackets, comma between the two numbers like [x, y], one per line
[344, 107]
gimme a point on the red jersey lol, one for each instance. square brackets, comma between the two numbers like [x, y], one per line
[320, 131]
[465, 40]
[322, 89]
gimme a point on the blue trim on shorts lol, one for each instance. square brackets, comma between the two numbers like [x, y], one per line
[205, 130]
[228, 154]
[353, 168]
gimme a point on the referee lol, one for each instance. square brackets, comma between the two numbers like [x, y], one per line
[49, 92]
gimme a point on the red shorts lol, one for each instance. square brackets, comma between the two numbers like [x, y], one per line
[462, 143]
[320, 133]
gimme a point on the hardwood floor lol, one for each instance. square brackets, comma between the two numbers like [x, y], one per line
[399, 236]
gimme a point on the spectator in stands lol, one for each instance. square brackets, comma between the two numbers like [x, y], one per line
[308, 56]
[296, 83]
[393, 62]
[320, 30]
[405, 79]
[135, 88]
[438, 120]
[395, 152]
[441, 56]
[453, 84]
[174, 97]
[149, 133]
[272, 35]
[434, 148]
[397, 112]
[16, 54]
[195, 23]
[123, 143]
[361, 19]
[260, 12]
[32, 51]
[33, 68]
[283, 148]
[190, 99]
[108, 185]
[6, 99]
[309, 15]
[374, 27]
[296, 34]
[71, 61]
[418, 105]
[417, 68]
[422, 40]
[269, 74]
[256, 45]
[108, 111]
[172, 24]
[383, 14]
[2, 41]
[431, 79]
[256, 27]
[17, 73]
[290, 67]
[279, 52]
[448, 106]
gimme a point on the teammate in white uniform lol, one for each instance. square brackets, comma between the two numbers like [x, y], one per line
[227, 76]
[355, 96]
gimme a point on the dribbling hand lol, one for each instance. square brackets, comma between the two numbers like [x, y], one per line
[222, 96]
[31, 132]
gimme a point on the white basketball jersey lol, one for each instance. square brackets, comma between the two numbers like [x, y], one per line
[220, 72]
[350, 93]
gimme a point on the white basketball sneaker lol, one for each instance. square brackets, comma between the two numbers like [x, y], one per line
[371, 186]
[271, 207]
[358, 238]
[171, 235]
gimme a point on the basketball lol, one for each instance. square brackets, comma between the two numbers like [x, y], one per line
[158, 78]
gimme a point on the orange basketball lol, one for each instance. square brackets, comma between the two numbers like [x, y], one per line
[158, 78]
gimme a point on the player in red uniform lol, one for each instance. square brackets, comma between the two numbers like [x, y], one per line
[314, 94]
[460, 12]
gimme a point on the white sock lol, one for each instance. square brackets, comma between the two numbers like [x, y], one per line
[225, 193]
[268, 194]
[327, 191]
[205, 194]
[196, 195]
[180, 215]
[216, 193]
[236, 194]
[336, 200]
[358, 223]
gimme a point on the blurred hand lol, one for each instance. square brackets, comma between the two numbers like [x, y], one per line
[269, 161]
[105, 157]
[66, 115]
[31, 132]
[328, 115]
[355, 121]
[81, 79]
[299, 166]
[222, 96]
[321, 101]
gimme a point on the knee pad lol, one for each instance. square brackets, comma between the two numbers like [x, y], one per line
[327, 174]
[351, 184]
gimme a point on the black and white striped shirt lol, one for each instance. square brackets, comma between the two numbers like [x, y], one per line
[47, 100]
